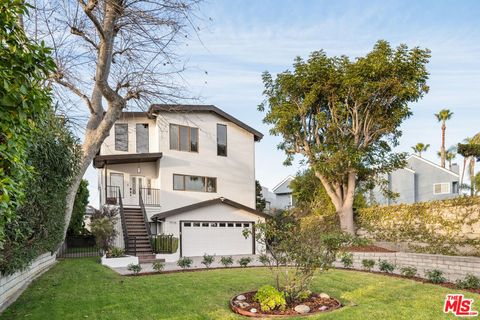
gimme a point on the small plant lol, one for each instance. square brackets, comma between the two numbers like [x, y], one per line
[304, 295]
[270, 298]
[409, 272]
[135, 268]
[208, 260]
[469, 282]
[226, 261]
[347, 259]
[243, 262]
[435, 276]
[184, 262]
[368, 264]
[264, 259]
[386, 266]
[115, 252]
[158, 266]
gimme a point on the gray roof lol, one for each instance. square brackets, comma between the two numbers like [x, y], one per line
[203, 108]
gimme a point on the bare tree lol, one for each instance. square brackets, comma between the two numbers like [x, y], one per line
[110, 55]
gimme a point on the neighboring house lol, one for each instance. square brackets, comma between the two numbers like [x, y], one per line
[281, 198]
[189, 170]
[420, 181]
[87, 218]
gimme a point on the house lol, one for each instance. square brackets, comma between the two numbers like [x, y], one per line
[183, 170]
[280, 198]
[420, 181]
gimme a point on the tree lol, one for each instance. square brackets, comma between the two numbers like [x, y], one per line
[470, 150]
[419, 148]
[79, 207]
[450, 154]
[260, 202]
[442, 117]
[344, 116]
[111, 54]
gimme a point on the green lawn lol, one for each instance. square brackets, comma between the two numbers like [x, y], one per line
[83, 289]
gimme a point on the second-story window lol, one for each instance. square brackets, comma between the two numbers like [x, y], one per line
[142, 137]
[183, 138]
[194, 183]
[221, 140]
[121, 137]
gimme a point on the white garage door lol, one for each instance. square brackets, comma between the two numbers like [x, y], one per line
[215, 238]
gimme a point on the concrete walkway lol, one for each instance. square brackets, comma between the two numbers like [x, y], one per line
[197, 264]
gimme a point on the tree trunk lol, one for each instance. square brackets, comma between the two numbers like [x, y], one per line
[472, 176]
[346, 219]
[463, 170]
[442, 149]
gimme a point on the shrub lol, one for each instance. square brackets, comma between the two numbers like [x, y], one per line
[469, 282]
[243, 262]
[408, 271]
[386, 266]
[103, 226]
[226, 261]
[435, 276]
[115, 252]
[208, 260]
[368, 264]
[347, 259]
[158, 266]
[264, 259]
[270, 298]
[135, 268]
[184, 262]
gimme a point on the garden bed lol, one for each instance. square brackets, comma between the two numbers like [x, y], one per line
[250, 308]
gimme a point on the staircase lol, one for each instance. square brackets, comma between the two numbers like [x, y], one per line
[138, 239]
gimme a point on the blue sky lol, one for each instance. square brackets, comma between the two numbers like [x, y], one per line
[245, 38]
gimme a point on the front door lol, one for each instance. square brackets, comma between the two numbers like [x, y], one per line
[136, 183]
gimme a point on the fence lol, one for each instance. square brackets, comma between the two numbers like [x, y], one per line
[82, 247]
[164, 243]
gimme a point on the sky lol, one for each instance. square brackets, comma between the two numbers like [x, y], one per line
[238, 40]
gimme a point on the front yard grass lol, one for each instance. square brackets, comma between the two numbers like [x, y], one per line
[83, 289]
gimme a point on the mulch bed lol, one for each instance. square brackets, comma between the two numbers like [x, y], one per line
[314, 303]
[371, 248]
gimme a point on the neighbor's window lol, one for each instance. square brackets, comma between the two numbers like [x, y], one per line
[183, 138]
[194, 183]
[121, 137]
[142, 137]
[441, 188]
[221, 140]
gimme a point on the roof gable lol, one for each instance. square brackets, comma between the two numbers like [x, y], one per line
[434, 165]
[283, 186]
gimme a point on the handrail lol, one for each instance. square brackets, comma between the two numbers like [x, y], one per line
[150, 197]
[142, 206]
[122, 217]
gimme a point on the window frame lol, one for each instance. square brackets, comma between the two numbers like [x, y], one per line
[184, 183]
[449, 188]
[117, 125]
[226, 140]
[189, 138]
[145, 126]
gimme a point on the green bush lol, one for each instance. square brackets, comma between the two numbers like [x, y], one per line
[243, 262]
[368, 264]
[347, 259]
[115, 252]
[226, 261]
[165, 243]
[435, 276]
[469, 282]
[102, 227]
[135, 268]
[208, 260]
[409, 272]
[270, 298]
[158, 266]
[184, 262]
[385, 266]
[77, 226]
[264, 259]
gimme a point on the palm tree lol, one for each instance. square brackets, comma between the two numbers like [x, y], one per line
[450, 154]
[419, 148]
[442, 117]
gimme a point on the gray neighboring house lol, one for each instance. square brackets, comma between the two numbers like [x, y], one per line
[420, 181]
[280, 198]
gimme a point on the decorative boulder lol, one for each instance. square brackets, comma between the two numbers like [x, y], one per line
[302, 308]
[324, 296]
[323, 308]
[253, 310]
[241, 297]
[242, 304]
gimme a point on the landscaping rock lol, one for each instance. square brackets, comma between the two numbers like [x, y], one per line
[302, 308]
[253, 310]
[323, 308]
[241, 297]
[242, 304]
[324, 296]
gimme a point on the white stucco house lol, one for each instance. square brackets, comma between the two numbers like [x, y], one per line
[182, 170]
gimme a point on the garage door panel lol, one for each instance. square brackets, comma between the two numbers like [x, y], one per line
[215, 238]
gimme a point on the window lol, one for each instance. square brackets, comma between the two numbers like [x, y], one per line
[230, 225]
[221, 224]
[221, 140]
[441, 188]
[187, 224]
[194, 183]
[116, 180]
[183, 138]
[205, 224]
[121, 137]
[238, 225]
[455, 187]
[196, 224]
[141, 130]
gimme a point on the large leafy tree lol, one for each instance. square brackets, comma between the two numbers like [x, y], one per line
[344, 115]
[442, 116]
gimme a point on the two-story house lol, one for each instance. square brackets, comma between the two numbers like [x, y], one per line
[186, 170]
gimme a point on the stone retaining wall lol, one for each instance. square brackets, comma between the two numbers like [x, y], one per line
[13, 285]
[454, 267]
